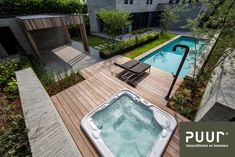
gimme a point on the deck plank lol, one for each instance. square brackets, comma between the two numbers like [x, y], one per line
[76, 101]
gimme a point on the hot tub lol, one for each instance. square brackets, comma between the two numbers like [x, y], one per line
[126, 125]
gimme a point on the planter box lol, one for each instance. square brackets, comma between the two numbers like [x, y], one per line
[106, 56]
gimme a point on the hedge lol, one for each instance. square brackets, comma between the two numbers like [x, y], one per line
[21, 7]
[142, 30]
[121, 47]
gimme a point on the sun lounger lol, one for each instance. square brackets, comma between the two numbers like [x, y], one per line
[128, 64]
[134, 69]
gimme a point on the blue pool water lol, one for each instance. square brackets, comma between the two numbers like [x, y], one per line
[127, 128]
[167, 60]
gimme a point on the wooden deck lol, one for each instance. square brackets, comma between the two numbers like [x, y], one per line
[76, 101]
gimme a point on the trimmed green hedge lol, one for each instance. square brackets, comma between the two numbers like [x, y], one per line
[142, 30]
[21, 7]
[123, 46]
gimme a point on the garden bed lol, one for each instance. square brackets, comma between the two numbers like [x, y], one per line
[140, 31]
[144, 48]
[121, 47]
[93, 40]
[13, 133]
[183, 101]
[54, 82]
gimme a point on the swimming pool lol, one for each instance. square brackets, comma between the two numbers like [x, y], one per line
[126, 125]
[167, 60]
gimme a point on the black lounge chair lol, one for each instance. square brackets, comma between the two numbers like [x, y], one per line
[134, 69]
[128, 64]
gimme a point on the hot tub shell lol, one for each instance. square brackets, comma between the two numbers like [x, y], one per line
[164, 119]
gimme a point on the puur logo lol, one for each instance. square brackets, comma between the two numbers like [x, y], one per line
[202, 136]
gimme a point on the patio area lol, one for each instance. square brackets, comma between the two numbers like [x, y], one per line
[75, 102]
[70, 56]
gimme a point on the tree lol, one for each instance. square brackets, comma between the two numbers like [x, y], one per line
[219, 17]
[114, 21]
[169, 16]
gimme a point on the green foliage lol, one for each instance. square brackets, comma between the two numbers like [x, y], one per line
[20, 7]
[114, 21]
[144, 48]
[169, 16]
[142, 30]
[125, 44]
[11, 86]
[94, 40]
[218, 17]
[55, 82]
[13, 138]
[7, 72]
[182, 103]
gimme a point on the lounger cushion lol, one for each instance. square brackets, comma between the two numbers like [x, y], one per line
[130, 64]
[139, 68]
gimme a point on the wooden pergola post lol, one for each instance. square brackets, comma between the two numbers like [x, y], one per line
[31, 40]
[82, 29]
[35, 48]
[66, 34]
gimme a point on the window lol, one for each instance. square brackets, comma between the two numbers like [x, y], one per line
[131, 1]
[125, 1]
[149, 2]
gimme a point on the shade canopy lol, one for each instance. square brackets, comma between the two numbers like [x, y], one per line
[37, 22]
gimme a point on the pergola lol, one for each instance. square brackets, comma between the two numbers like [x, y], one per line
[39, 22]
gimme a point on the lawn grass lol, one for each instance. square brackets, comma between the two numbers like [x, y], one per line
[142, 49]
[93, 40]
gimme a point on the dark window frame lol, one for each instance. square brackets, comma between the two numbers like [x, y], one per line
[149, 2]
[131, 1]
[126, 1]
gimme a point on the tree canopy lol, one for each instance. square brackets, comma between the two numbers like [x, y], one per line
[20, 7]
[114, 21]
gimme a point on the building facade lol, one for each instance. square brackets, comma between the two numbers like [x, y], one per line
[144, 13]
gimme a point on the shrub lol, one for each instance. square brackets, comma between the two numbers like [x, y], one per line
[120, 47]
[13, 134]
[114, 21]
[11, 87]
[142, 30]
[17, 7]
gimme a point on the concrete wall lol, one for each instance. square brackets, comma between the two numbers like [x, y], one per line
[3, 52]
[49, 38]
[93, 7]
[220, 90]
[139, 5]
[16, 30]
